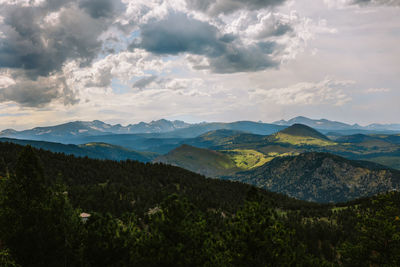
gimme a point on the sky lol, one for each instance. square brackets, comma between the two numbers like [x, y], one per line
[125, 61]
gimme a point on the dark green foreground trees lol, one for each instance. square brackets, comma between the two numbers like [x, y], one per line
[40, 227]
[37, 223]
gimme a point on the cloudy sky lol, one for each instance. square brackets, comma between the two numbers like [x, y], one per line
[125, 61]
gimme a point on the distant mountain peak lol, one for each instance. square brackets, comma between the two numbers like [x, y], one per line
[319, 124]
[8, 131]
[98, 121]
[300, 118]
[304, 131]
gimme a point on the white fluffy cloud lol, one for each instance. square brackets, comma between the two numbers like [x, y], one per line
[326, 92]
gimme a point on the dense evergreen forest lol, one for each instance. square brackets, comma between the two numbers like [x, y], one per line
[159, 215]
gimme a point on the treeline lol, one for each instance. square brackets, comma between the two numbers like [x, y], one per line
[131, 186]
[243, 226]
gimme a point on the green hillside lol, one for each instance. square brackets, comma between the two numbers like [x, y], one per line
[296, 139]
[215, 163]
[322, 177]
[224, 138]
[204, 161]
[301, 135]
[91, 150]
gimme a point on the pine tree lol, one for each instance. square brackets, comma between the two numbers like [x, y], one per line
[35, 220]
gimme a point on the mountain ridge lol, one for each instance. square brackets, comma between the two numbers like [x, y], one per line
[322, 177]
[298, 129]
[70, 132]
[325, 124]
[92, 150]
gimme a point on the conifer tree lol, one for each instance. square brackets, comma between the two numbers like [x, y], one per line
[35, 221]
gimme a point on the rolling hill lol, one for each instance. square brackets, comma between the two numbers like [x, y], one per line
[223, 138]
[301, 135]
[296, 139]
[322, 177]
[356, 138]
[249, 151]
[91, 150]
[119, 187]
[203, 161]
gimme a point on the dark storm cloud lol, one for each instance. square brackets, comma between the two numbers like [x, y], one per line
[143, 82]
[42, 48]
[215, 7]
[179, 33]
[239, 59]
[38, 40]
[100, 8]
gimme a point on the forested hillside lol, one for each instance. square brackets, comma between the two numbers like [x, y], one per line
[118, 187]
[156, 215]
[322, 177]
[91, 150]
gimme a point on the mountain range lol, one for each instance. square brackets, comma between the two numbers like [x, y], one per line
[324, 124]
[76, 132]
[68, 132]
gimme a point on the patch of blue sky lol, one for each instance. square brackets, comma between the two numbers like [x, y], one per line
[134, 35]
[170, 58]
[119, 88]
[148, 72]
[152, 72]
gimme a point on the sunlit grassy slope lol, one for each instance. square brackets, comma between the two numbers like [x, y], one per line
[247, 159]
[301, 140]
[203, 161]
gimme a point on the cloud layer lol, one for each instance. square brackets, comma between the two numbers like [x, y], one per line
[216, 7]
[326, 92]
[217, 59]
